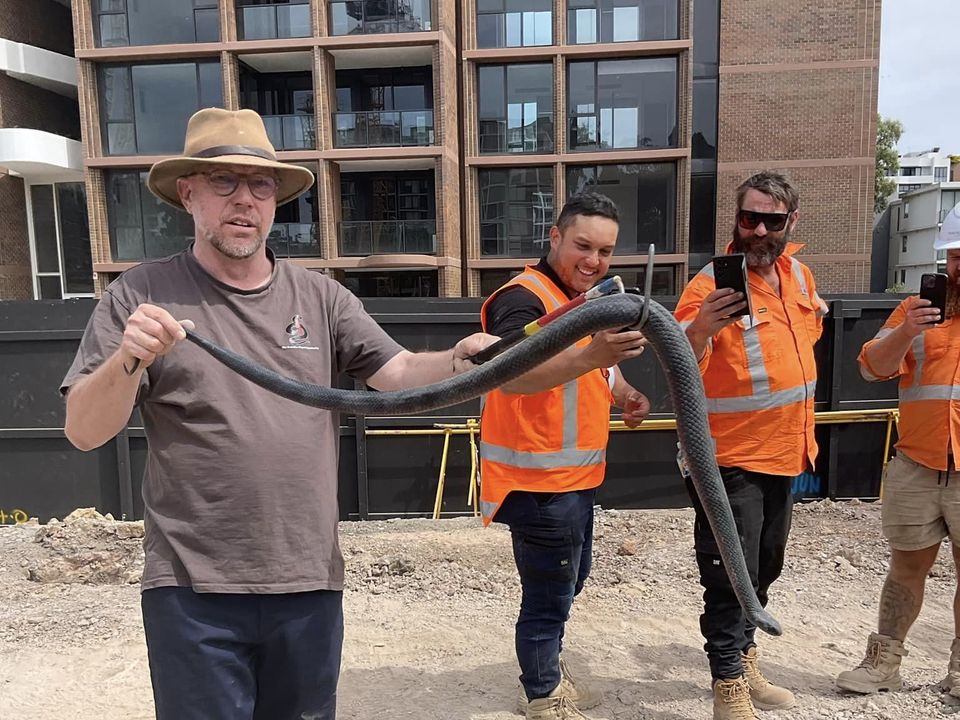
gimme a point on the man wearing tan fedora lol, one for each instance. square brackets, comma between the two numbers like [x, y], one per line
[243, 577]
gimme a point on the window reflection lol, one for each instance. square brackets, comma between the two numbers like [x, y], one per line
[645, 194]
[166, 96]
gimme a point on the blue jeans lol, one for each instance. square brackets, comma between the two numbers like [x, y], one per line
[220, 656]
[763, 509]
[552, 545]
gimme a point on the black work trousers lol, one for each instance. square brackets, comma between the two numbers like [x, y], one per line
[762, 507]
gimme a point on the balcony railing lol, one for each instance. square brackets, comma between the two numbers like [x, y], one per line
[380, 237]
[508, 136]
[370, 17]
[378, 127]
[291, 132]
[294, 240]
[268, 22]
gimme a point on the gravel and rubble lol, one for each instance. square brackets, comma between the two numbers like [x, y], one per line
[430, 607]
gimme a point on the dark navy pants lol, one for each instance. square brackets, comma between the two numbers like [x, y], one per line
[220, 656]
[552, 545]
[763, 508]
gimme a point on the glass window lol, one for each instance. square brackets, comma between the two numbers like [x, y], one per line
[664, 278]
[591, 21]
[166, 96]
[704, 140]
[45, 229]
[120, 23]
[939, 174]
[644, 193]
[271, 19]
[74, 238]
[387, 283]
[623, 104]
[703, 206]
[141, 225]
[516, 108]
[516, 211]
[493, 280]
[514, 23]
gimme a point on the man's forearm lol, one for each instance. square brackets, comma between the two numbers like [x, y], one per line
[698, 341]
[99, 405]
[886, 354]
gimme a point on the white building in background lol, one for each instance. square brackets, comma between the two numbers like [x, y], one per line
[914, 222]
[920, 169]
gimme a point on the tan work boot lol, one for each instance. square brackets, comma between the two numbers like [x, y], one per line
[765, 695]
[556, 706]
[951, 683]
[731, 700]
[879, 670]
[577, 691]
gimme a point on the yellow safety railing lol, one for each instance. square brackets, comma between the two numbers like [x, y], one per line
[472, 428]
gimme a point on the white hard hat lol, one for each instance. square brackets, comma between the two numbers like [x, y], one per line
[949, 236]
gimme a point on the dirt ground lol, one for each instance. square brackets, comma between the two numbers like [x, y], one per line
[430, 607]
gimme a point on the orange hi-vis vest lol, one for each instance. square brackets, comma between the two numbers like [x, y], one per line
[929, 426]
[552, 441]
[759, 373]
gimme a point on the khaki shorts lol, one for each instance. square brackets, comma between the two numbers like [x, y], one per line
[920, 506]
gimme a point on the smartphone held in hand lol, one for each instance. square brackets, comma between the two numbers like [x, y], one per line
[933, 287]
[730, 271]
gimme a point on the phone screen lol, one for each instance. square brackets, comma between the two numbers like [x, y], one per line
[730, 271]
[933, 287]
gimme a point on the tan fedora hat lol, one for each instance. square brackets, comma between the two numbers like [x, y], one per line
[226, 137]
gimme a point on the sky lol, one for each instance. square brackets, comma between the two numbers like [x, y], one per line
[920, 72]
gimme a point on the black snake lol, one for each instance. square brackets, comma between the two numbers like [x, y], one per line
[618, 311]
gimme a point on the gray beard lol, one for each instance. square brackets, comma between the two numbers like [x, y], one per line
[764, 255]
[234, 251]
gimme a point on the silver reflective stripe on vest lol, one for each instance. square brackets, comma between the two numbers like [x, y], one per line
[487, 508]
[919, 354]
[759, 378]
[707, 270]
[766, 401]
[570, 415]
[549, 295]
[798, 274]
[568, 457]
[930, 392]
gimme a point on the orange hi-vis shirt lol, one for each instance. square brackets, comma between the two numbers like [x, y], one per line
[551, 441]
[759, 373]
[929, 426]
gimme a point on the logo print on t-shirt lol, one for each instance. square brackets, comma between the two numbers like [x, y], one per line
[296, 331]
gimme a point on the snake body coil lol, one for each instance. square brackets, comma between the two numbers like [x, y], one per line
[618, 311]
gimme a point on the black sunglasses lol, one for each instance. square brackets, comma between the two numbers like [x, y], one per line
[774, 222]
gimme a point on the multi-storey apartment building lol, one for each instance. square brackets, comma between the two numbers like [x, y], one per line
[445, 134]
[44, 244]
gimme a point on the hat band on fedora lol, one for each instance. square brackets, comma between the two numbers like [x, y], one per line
[219, 150]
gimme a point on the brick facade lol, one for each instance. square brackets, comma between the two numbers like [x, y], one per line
[804, 104]
[798, 85]
[45, 24]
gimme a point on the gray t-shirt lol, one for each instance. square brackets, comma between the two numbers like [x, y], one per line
[240, 486]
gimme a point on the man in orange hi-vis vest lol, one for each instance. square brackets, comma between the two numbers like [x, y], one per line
[760, 376]
[921, 488]
[543, 440]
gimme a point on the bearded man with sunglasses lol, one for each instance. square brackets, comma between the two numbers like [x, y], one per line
[243, 580]
[760, 375]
